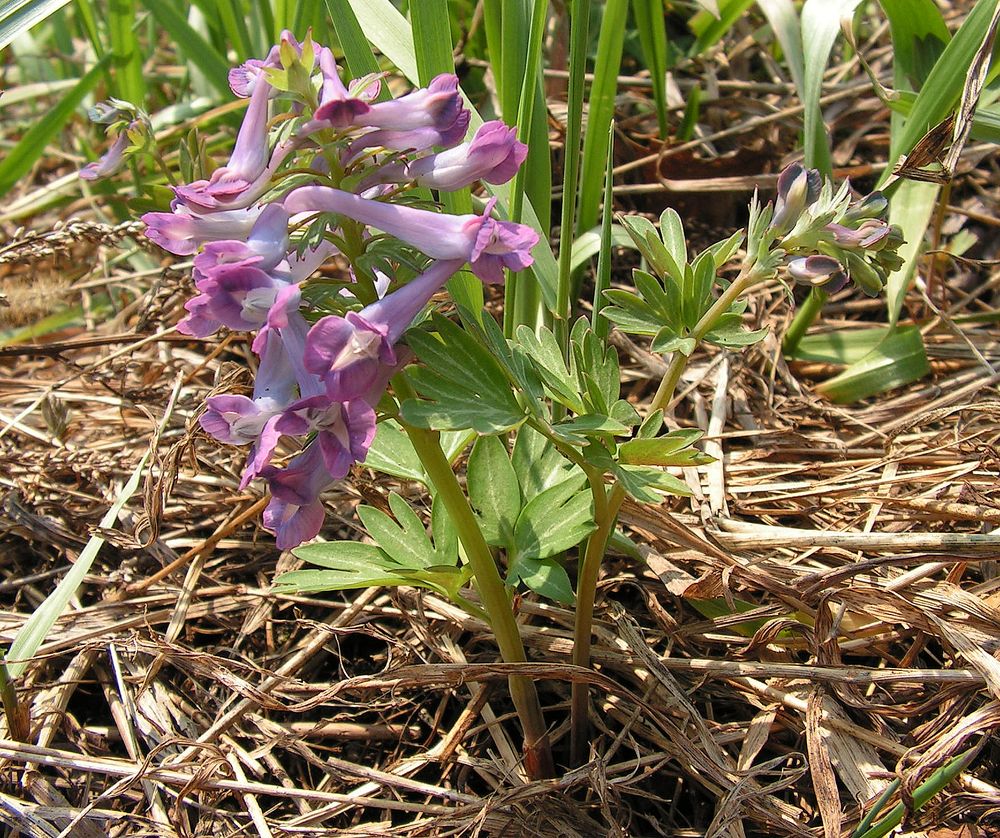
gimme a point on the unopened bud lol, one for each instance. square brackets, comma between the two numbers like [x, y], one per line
[798, 187]
[819, 271]
[875, 205]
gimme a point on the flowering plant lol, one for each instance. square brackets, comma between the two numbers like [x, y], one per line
[324, 169]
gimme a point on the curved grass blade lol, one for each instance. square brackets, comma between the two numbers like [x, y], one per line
[17, 16]
[32, 145]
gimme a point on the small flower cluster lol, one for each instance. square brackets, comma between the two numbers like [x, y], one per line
[845, 241]
[321, 177]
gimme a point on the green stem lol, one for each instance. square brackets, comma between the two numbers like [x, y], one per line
[492, 591]
[803, 319]
[606, 506]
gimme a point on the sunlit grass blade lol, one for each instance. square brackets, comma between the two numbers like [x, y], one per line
[579, 30]
[33, 144]
[17, 16]
[911, 208]
[233, 21]
[130, 83]
[36, 628]
[919, 36]
[361, 61]
[784, 20]
[600, 110]
[651, 23]
[198, 50]
[388, 30]
[710, 28]
[601, 325]
[820, 28]
[897, 360]
[433, 51]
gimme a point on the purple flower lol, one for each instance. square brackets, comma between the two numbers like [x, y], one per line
[114, 158]
[182, 231]
[344, 430]
[798, 188]
[352, 353]
[488, 245]
[822, 271]
[870, 234]
[240, 176]
[412, 139]
[338, 106]
[438, 106]
[236, 294]
[493, 155]
[266, 246]
[295, 513]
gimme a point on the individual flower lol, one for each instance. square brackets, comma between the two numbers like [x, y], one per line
[493, 155]
[486, 244]
[295, 513]
[183, 231]
[239, 177]
[113, 159]
[821, 271]
[412, 139]
[266, 245]
[344, 430]
[871, 234]
[798, 188]
[350, 353]
[338, 106]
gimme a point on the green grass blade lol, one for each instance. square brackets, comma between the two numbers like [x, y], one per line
[431, 26]
[602, 325]
[198, 50]
[388, 30]
[129, 80]
[911, 208]
[919, 36]
[32, 145]
[33, 632]
[651, 23]
[709, 29]
[361, 61]
[941, 92]
[784, 22]
[232, 19]
[897, 360]
[579, 31]
[601, 108]
[17, 16]
[820, 28]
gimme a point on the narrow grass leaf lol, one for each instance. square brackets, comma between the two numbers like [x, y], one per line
[898, 360]
[600, 111]
[36, 628]
[34, 142]
[784, 22]
[198, 50]
[919, 36]
[17, 16]
[911, 208]
[601, 325]
[388, 30]
[709, 28]
[651, 23]
[129, 80]
[820, 27]
[358, 53]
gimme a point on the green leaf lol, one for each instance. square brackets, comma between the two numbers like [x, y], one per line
[588, 244]
[198, 51]
[391, 453]
[358, 53]
[784, 22]
[646, 484]
[555, 520]
[709, 28]
[820, 28]
[919, 36]
[494, 491]
[546, 577]
[35, 629]
[673, 449]
[129, 80]
[597, 366]
[672, 234]
[32, 145]
[631, 313]
[17, 16]
[407, 542]
[576, 431]
[600, 111]
[547, 359]
[647, 241]
[538, 463]
[651, 23]
[462, 383]
[840, 347]
[897, 360]
[911, 208]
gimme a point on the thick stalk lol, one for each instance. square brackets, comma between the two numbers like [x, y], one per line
[606, 506]
[492, 591]
[803, 319]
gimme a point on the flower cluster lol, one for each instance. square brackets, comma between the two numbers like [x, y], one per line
[327, 174]
[844, 241]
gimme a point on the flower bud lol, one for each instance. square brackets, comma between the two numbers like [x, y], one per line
[819, 271]
[798, 187]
